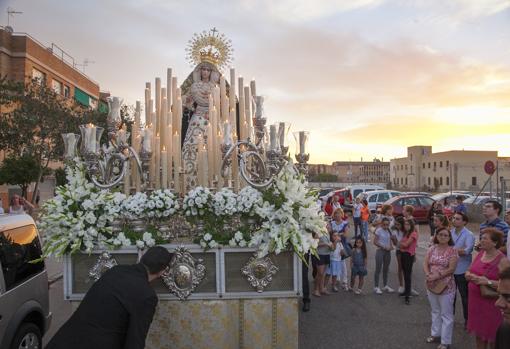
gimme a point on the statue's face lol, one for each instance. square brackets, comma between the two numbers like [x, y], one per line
[205, 73]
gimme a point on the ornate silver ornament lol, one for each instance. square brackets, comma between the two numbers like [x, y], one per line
[259, 272]
[104, 262]
[184, 273]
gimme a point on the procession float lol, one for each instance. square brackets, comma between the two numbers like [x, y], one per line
[204, 176]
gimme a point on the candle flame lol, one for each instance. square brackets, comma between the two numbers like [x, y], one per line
[164, 148]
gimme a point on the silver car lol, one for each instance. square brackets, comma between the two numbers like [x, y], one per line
[24, 296]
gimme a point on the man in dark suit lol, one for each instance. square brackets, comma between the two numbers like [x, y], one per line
[118, 309]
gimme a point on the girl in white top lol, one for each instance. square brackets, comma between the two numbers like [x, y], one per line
[335, 264]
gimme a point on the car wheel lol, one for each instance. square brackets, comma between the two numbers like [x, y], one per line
[28, 336]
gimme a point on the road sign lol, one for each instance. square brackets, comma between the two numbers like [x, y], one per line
[489, 167]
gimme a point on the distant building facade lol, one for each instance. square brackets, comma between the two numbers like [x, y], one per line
[375, 171]
[23, 58]
[450, 170]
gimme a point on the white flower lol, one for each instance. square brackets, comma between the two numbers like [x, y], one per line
[232, 243]
[213, 244]
[207, 237]
[238, 236]
[140, 244]
[242, 243]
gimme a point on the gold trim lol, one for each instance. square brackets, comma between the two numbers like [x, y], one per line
[274, 324]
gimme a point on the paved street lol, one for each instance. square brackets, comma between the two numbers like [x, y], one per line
[346, 320]
[342, 320]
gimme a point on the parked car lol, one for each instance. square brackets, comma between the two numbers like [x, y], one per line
[421, 204]
[347, 194]
[448, 198]
[377, 197]
[24, 297]
[423, 193]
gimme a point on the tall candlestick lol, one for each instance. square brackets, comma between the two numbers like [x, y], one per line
[157, 105]
[272, 137]
[169, 90]
[157, 171]
[163, 118]
[253, 88]
[210, 154]
[242, 119]
[248, 115]
[176, 149]
[302, 142]
[227, 133]
[169, 151]
[147, 139]
[281, 133]
[164, 168]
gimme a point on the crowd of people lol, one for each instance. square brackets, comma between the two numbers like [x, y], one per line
[458, 262]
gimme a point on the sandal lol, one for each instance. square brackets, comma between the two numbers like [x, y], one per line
[432, 339]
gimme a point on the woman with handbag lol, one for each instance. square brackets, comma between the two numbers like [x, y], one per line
[439, 266]
[484, 317]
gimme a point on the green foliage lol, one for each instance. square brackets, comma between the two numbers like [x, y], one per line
[60, 177]
[20, 171]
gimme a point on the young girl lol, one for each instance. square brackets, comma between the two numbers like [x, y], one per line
[358, 263]
[408, 250]
[339, 225]
[396, 235]
[335, 258]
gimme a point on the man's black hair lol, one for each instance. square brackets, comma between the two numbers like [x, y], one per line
[497, 206]
[156, 259]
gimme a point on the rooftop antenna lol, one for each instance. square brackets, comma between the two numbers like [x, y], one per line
[85, 63]
[10, 13]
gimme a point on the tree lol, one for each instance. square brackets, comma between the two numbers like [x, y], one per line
[324, 177]
[33, 117]
[19, 170]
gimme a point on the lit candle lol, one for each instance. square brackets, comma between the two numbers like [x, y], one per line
[177, 156]
[90, 144]
[164, 168]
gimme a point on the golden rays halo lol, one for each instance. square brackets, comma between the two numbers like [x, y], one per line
[211, 47]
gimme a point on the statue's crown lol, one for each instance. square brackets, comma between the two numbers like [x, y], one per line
[211, 47]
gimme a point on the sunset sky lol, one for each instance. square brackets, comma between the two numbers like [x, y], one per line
[367, 78]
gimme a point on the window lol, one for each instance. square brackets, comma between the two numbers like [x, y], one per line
[67, 91]
[411, 156]
[372, 198]
[447, 163]
[434, 164]
[425, 201]
[440, 180]
[38, 75]
[411, 168]
[383, 197]
[473, 181]
[440, 164]
[401, 167]
[423, 165]
[447, 180]
[429, 164]
[411, 201]
[56, 86]
[428, 181]
[406, 167]
[401, 181]
[18, 247]
[406, 180]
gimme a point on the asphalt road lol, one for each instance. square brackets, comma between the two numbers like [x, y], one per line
[347, 320]
[340, 320]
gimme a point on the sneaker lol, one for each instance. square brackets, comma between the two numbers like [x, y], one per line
[388, 289]
[400, 289]
[377, 290]
[357, 291]
[347, 288]
[414, 292]
[335, 289]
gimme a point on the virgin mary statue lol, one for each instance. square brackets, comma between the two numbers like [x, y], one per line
[209, 51]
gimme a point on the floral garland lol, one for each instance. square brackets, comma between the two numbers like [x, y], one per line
[80, 217]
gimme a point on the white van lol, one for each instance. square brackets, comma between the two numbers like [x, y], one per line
[377, 197]
[355, 190]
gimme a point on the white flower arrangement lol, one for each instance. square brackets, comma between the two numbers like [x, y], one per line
[247, 200]
[78, 217]
[161, 204]
[224, 202]
[135, 206]
[197, 202]
[289, 218]
[207, 242]
[238, 240]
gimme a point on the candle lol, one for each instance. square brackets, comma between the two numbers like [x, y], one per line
[210, 154]
[242, 119]
[164, 168]
[253, 87]
[147, 140]
[272, 137]
[302, 141]
[168, 146]
[227, 133]
[157, 163]
[169, 92]
[281, 134]
[176, 157]
[89, 138]
[157, 105]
